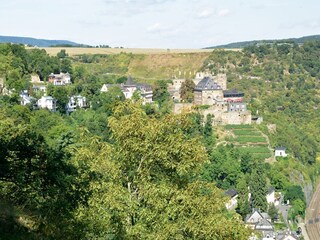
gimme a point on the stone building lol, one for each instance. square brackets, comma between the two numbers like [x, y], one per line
[207, 92]
[174, 89]
[226, 106]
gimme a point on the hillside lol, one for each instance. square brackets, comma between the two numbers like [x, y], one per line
[146, 67]
[35, 41]
[299, 41]
[165, 169]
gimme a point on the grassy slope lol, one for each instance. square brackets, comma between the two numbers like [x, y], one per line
[166, 66]
[146, 67]
[249, 139]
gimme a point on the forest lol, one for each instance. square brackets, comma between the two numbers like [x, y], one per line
[123, 170]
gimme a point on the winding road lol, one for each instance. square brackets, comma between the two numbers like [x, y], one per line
[312, 220]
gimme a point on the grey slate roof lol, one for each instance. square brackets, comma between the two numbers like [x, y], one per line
[232, 93]
[231, 192]
[207, 83]
[280, 148]
[270, 190]
[264, 224]
[129, 81]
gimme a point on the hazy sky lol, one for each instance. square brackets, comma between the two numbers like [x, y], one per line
[159, 23]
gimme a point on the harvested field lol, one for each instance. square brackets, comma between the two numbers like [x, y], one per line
[78, 51]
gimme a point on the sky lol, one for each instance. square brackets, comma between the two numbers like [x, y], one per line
[159, 23]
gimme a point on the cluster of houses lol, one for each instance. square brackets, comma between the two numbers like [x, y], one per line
[48, 102]
[129, 88]
[262, 225]
[259, 221]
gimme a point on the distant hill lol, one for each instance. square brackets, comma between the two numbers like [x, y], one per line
[255, 42]
[38, 42]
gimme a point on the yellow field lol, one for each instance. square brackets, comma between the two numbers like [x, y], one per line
[77, 51]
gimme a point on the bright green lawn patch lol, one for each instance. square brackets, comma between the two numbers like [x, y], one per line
[249, 139]
[256, 149]
[262, 155]
[230, 127]
[246, 132]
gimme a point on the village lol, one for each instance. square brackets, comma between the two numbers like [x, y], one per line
[227, 106]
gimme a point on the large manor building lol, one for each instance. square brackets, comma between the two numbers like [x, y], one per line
[226, 106]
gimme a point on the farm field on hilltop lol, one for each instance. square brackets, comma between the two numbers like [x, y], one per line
[78, 51]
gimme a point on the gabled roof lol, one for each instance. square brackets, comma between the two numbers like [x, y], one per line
[129, 81]
[286, 236]
[144, 87]
[270, 190]
[231, 192]
[254, 217]
[280, 148]
[207, 83]
[264, 224]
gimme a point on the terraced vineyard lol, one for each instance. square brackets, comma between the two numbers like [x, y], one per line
[249, 139]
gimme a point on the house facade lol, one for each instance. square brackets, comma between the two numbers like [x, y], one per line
[227, 107]
[280, 152]
[76, 102]
[25, 98]
[47, 102]
[207, 92]
[232, 203]
[60, 79]
[174, 89]
[261, 223]
[271, 196]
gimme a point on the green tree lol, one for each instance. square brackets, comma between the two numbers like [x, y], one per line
[258, 190]
[160, 92]
[243, 206]
[186, 90]
[273, 212]
[293, 193]
[62, 54]
[106, 101]
[143, 188]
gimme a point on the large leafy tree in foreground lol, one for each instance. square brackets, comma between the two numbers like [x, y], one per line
[146, 183]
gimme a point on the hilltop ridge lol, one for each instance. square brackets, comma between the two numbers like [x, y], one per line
[36, 42]
[243, 44]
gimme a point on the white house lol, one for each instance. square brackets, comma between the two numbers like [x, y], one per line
[270, 196]
[39, 88]
[76, 102]
[233, 194]
[59, 79]
[47, 102]
[280, 152]
[25, 98]
[260, 222]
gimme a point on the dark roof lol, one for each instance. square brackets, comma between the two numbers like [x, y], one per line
[270, 190]
[264, 224]
[129, 81]
[232, 93]
[207, 83]
[280, 148]
[145, 87]
[231, 192]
